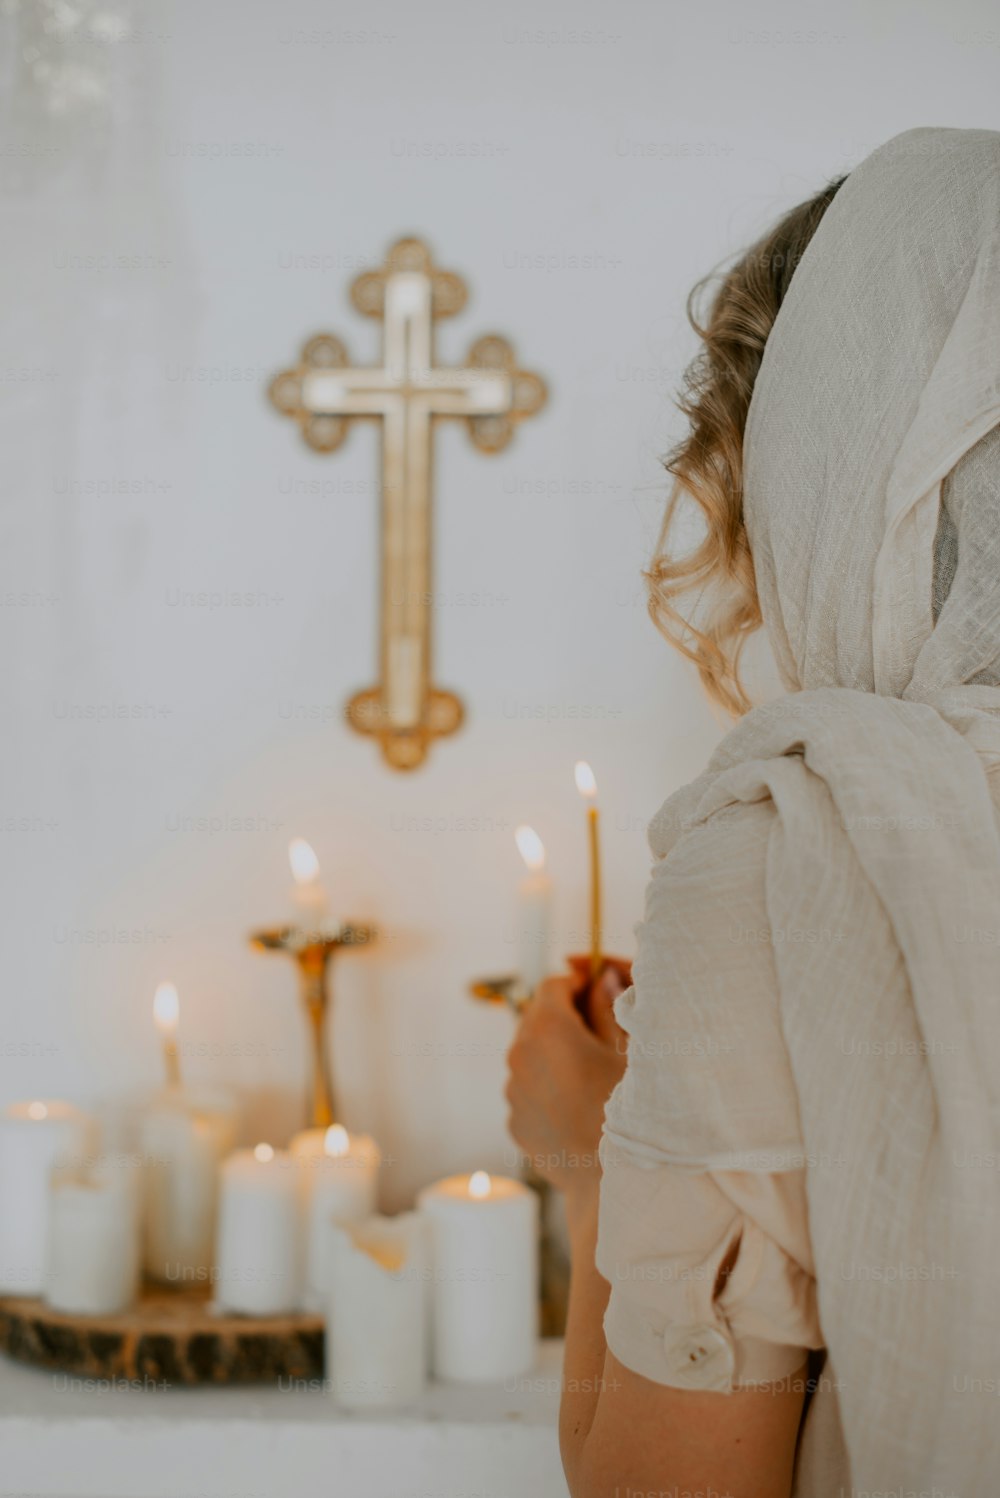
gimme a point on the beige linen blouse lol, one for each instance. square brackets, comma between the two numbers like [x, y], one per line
[667, 1231]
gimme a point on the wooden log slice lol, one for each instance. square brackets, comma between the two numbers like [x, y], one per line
[169, 1337]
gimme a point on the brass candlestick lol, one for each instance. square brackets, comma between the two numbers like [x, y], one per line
[509, 989]
[312, 951]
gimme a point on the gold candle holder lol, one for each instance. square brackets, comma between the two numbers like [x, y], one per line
[312, 951]
[510, 990]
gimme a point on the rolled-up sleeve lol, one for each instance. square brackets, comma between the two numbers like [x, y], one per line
[702, 1295]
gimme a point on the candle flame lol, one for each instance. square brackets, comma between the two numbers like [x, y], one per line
[263, 1153]
[336, 1140]
[530, 847]
[585, 782]
[305, 864]
[166, 1008]
[37, 1110]
[480, 1185]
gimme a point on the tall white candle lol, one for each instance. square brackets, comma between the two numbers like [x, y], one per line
[338, 1181]
[185, 1134]
[309, 898]
[258, 1262]
[484, 1270]
[377, 1332]
[34, 1137]
[534, 900]
[92, 1265]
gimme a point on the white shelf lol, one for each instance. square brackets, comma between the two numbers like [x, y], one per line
[62, 1439]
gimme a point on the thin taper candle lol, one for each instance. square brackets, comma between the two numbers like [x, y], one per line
[587, 786]
[596, 960]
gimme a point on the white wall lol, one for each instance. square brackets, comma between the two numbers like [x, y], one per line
[650, 148]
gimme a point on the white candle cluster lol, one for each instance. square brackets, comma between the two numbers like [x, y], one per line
[449, 1289]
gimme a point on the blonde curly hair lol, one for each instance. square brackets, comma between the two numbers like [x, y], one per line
[707, 466]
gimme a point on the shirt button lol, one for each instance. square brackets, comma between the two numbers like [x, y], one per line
[702, 1356]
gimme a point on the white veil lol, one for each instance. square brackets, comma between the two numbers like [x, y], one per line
[881, 374]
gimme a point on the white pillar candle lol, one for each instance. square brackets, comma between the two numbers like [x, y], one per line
[338, 1180]
[34, 1137]
[185, 1135]
[377, 1329]
[484, 1272]
[534, 900]
[92, 1265]
[258, 1262]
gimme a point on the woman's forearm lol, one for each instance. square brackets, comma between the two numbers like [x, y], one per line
[583, 1369]
[620, 1431]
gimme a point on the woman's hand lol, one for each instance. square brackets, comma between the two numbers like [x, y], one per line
[563, 1069]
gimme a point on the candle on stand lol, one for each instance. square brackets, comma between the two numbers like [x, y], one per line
[258, 1260]
[338, 1180]
[484, 1242]
[534, 899]
[166, 1014]
[185, 1134]
[92, 1264]
[309, 898]
[587, 786]
[34, 1138]
[376, 1343]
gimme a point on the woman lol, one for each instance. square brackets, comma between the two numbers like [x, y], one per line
[786, 1274]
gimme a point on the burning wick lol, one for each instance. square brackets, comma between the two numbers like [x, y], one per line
[530, 847]
[309, 896]
[480, 1185]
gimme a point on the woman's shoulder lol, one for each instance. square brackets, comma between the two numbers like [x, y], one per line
[705, 924]
[728, 845]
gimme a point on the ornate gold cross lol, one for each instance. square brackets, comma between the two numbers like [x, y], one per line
[407, 392]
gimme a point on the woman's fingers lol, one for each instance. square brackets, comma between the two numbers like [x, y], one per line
[579, 965]
[595, 1000]
[601, 1006]
[561, 1073]
[555, 995]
